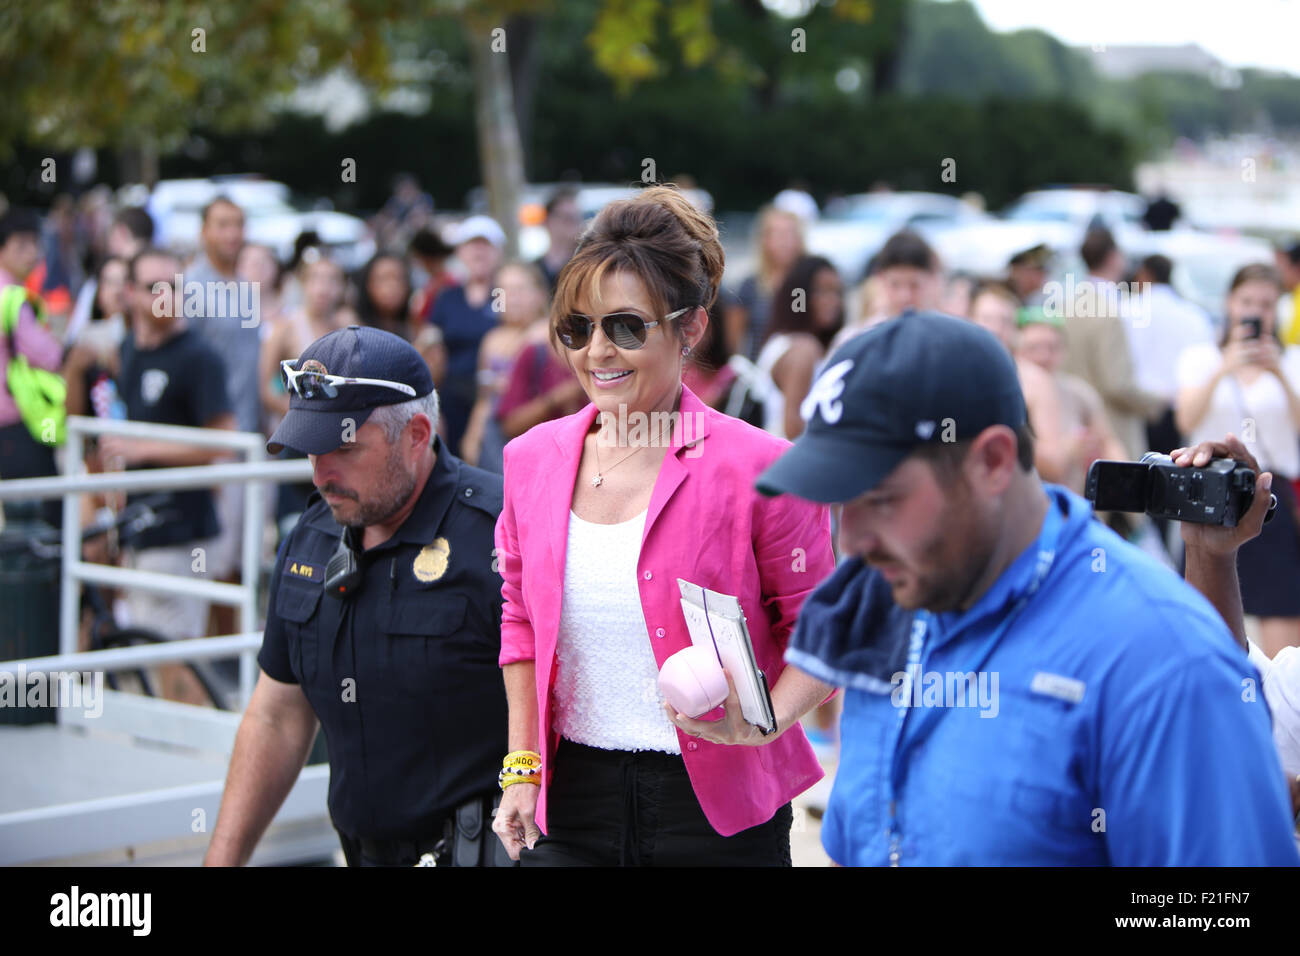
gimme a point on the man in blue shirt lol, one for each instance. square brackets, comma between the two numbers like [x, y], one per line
[1022, 686]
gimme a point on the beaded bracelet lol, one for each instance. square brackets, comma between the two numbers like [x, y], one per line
[522, 758]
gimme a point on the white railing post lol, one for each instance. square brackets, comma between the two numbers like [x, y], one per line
[251, 567]
[75, 483]
[70, 586]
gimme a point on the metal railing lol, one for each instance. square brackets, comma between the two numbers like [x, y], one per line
[71, 486]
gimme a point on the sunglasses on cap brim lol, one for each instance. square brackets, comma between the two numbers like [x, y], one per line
[309, 383]
[626, 330]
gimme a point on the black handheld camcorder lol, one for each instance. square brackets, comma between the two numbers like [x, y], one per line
[1220, 493]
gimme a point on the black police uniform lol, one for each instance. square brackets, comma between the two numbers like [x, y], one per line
[403, 672]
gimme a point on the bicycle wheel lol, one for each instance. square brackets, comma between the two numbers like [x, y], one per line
[134, 636]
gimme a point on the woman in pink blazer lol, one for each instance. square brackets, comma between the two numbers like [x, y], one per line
[604, 510]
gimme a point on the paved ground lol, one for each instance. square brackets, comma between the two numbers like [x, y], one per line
[805, 835]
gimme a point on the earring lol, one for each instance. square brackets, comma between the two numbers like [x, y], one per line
[686, 350]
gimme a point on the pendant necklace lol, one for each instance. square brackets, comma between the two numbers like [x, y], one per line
[599, 478]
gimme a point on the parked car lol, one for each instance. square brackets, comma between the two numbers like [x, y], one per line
[852, 229]
[273, 216]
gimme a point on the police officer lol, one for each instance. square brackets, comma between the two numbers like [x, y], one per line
[383, 623]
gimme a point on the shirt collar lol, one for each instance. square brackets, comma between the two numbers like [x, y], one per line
[1023, 574]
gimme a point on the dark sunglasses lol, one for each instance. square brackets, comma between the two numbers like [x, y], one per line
[313, 384]
[626, 330]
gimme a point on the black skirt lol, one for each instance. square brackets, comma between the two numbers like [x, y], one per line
[1269, 565]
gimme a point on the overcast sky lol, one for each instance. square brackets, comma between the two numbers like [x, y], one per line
[1262, 33]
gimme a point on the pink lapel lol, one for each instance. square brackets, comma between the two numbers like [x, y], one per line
[692, 427]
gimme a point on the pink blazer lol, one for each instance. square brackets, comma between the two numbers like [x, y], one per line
[707, 524]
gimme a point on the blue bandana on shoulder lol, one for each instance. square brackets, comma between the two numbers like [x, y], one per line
[850, 632]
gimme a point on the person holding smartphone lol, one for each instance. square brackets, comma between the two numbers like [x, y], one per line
[1249, 385]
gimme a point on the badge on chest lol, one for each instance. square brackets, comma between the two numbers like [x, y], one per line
[432, 561]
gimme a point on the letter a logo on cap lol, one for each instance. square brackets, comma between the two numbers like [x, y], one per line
[825, 393]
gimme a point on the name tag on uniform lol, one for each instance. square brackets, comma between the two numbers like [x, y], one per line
[1054, 685]
[304, 571]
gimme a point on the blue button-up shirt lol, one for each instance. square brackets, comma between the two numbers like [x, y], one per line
[1091, 708]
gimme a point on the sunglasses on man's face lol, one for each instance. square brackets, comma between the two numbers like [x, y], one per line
[626, 330]
[313, 384]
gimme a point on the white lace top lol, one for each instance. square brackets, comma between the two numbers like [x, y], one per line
[606, 681]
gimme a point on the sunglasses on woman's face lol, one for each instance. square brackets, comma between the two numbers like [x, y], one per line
[626, 330]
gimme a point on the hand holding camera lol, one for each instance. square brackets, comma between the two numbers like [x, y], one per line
[1218, 540]
[1214, 483]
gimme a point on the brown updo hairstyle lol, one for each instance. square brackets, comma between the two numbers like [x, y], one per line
[660, 237]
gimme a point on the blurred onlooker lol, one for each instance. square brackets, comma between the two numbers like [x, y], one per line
[524, 297]
[323, 285]
[807, 312]
[1160, 324]
[170, 376]
[63, 275]
[1249, 385]
[92, 361]
[384, 294]
[222, 321]
[796, 199]
[1099, 351]
[1027, 273]
[21, 454]
[722, 379]
[907, 275]
[542, 386]
[995, 307]
[780, 243]
[955, 299]
[320, 313]
[131, 231]
[258, 264]
[1288, 306]
[430, 255]
[228, 320]
[465, 314]
[1080, 433]
[1161, 213]
[563, 225]
[407, 210]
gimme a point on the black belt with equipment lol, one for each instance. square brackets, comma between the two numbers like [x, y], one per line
[467, 840]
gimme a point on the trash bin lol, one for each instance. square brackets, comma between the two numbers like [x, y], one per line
[29, 624]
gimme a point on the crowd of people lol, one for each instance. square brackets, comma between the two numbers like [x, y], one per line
[481, 391]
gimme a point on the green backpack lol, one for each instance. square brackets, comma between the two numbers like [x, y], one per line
[41, 396]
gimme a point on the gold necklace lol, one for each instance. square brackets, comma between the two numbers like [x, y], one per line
[599, 478]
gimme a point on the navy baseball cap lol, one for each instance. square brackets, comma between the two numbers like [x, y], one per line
[923, 377]
[315, 426]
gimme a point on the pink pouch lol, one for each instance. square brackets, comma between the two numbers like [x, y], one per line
[692, 681]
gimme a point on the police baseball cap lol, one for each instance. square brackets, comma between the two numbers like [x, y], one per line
[920, 378]
[318, 421]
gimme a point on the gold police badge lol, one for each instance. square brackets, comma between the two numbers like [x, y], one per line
[431, 563]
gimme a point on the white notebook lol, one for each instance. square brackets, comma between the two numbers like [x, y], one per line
[716, 621]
